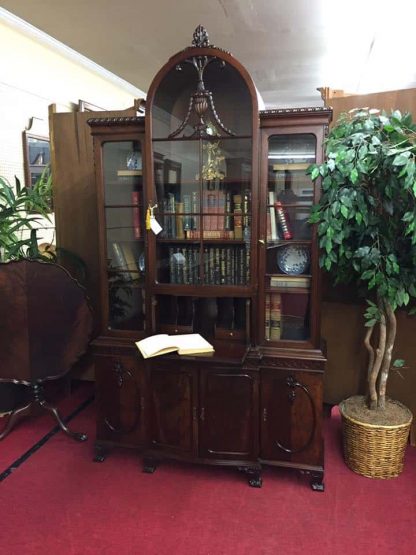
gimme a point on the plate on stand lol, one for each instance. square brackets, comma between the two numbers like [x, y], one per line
[293, 259]
[142, 262]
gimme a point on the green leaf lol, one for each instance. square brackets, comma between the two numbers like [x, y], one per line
[354, 176]
[401, 159]
[315, 173]
[398, 363]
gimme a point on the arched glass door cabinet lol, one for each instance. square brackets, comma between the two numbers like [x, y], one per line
[234, 259]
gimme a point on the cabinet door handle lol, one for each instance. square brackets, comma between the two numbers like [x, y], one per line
[264, 415]
[262, 241]
[194, 416]
[202, 415]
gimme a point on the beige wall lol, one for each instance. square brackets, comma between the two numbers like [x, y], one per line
[35, 73]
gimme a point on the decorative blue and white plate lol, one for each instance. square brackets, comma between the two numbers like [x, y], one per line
[293, 259]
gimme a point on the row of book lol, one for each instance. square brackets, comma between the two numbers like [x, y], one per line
[220, 265]
[286, 281]
[278, 223]
[273, 317]
[221, 215]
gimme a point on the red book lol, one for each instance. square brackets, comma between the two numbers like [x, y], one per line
[283, 220]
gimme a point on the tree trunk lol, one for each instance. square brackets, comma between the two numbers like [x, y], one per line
[370, 349]
[391, 336]
[374, 371]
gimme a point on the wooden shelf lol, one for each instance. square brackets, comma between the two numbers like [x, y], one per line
[296, 290]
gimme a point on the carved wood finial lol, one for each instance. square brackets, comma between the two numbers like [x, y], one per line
[200, 37]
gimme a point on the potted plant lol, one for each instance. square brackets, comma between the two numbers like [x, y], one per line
[18, 235]
[366, 224]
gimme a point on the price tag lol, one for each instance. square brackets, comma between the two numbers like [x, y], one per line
[154, 225]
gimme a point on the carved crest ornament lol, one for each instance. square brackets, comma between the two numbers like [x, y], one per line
[201, 101]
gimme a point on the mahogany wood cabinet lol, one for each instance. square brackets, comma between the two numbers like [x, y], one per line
[235, 260]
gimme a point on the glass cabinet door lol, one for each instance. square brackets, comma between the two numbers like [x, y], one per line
[123, 207]
[288, 279]
[202, 147]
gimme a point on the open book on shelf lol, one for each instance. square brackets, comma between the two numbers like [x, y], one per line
[187, 344]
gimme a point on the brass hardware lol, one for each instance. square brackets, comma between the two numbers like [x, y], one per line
[262, 242]
[264, 415]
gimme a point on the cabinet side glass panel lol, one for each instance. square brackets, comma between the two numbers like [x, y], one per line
[123, 198]
[288, 279]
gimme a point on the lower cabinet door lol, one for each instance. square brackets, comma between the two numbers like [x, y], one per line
[120, 399]
[172, 398]
[228, 414]
[291, 416]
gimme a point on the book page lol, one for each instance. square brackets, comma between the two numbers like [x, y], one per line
[191, 343]
[156, 345]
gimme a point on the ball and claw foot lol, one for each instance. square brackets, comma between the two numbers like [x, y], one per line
[256, 482]
[317, 482]
[100, 453]
[254, 475]
[149, 466]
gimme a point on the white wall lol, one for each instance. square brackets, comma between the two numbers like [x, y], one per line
[36, 71]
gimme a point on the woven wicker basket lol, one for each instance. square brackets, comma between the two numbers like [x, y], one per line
[374, 451]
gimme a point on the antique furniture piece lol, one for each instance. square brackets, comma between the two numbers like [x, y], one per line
[45, 328]
[235, 261]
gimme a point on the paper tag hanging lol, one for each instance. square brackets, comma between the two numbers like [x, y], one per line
[151, 222]
[154, 225]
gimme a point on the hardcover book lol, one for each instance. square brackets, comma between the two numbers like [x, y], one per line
[161, 344]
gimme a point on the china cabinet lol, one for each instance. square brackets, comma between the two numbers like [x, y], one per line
[203, 227]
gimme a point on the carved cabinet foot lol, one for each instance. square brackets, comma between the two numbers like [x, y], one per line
[317, 481]
[100, 453]
[149, 465]
[254, 475]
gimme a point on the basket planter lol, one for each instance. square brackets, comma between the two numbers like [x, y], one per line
[373, 450]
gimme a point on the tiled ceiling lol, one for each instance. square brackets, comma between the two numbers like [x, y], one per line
[290, 47]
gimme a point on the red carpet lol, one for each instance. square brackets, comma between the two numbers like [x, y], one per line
[31, 429]
[59, 502]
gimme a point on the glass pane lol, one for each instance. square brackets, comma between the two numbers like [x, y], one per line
[290, 195]
[204, 207]
[122, 167]
[229, 106]
[290, 192]
[126, 270]
[126, 304]
[287, 316]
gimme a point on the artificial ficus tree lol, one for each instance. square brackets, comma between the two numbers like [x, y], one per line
[366, 224]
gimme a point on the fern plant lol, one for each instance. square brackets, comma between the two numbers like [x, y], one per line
[18, 234]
